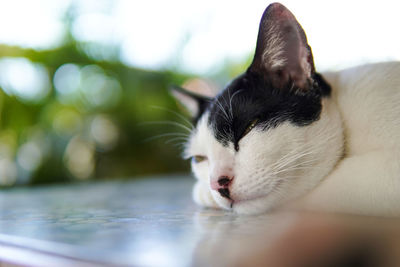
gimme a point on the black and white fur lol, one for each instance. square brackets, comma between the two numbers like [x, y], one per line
[283, 134]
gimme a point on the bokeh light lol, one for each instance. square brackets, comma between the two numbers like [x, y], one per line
[104, 131]
[95, 27]
[8, 169]
[79, 158]
[22, 78]
[29, 156]
[98, 88]
[67, 81]
[8, 172]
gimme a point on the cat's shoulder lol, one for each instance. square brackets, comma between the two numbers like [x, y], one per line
[368, 76]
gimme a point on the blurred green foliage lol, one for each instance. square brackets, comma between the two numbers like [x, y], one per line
[76, 112]
[44, 129]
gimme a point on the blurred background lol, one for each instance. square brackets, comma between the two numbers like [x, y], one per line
[83, 84]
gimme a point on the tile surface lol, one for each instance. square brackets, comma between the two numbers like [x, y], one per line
[153, 222]
[142, 222]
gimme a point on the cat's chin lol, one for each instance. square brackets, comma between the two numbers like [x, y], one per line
[253, 206]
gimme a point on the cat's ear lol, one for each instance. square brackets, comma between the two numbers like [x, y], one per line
[282, 53]
[193, 102]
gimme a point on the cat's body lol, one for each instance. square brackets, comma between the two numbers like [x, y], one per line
[281, 135]
[367, 179]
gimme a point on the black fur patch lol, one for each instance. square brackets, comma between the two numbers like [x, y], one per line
[251, 96]
[203, 102]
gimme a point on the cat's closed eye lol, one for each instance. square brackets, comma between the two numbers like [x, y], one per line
[198, 158]
[250, 127]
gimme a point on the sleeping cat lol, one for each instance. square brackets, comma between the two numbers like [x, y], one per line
[283, 135]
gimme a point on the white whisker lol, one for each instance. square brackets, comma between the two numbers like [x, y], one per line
[184, 139]
[190, 124]
[174, 123]
[226, 116]
[165, 135]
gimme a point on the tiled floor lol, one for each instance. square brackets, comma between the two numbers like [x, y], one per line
[153, 222]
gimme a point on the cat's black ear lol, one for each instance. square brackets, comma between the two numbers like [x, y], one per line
[193, 102]
[282, 53]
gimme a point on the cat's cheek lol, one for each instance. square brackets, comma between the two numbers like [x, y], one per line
[202, 195]
[200, 171]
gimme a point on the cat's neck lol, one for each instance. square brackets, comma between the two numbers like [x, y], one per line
[326, 137]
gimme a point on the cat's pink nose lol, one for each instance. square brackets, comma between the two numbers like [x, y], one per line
[222, 182]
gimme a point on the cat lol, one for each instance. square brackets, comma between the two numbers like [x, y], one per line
[282, 135]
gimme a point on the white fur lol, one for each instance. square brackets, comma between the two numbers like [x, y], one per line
[273, 56]
[367, 180]
[348, 160]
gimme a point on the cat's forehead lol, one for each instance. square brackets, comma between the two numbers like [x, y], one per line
[251, 97]
[237, 105]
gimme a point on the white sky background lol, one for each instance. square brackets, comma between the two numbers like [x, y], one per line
[198, 36]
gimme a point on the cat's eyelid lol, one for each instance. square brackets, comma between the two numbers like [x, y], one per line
[198, 158]
[250, 127]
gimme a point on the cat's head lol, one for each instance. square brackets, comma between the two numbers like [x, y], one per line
[271, 134]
